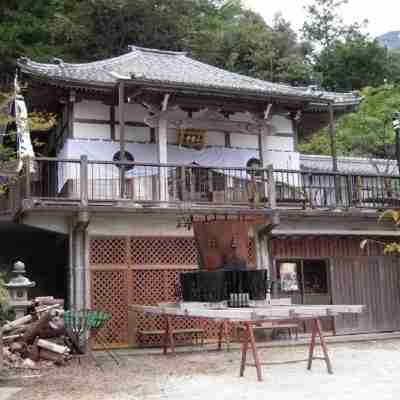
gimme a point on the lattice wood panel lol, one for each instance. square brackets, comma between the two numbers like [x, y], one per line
[110, 294]
[108, 251]
[114, 289]
[159, 251]
[252, 252]
[152, 287]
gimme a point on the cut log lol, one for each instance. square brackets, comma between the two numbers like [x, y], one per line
[50, 332]
[57, 312]
[56, 348]
[48, 301]
[43, 309]
[48, 355]
[32, 352]
[34, 331]
[17, 347]
[18, 322]
[11, 338]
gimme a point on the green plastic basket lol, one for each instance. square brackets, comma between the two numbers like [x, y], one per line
[84, 320]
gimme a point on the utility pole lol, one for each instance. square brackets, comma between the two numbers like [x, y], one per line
[396, 127]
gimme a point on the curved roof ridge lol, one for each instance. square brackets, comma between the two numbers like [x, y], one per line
[89, 64]
[149, 50]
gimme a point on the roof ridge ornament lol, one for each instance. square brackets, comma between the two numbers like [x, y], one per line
[116, 75]
[58, 61]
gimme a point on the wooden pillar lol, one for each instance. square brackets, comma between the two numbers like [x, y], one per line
[112, 122]
[70, 119]
[84, 181]
[262, 150]
[121, 117]
[162, 158]
[332, 134]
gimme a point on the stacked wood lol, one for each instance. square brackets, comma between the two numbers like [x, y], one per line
[38, 337]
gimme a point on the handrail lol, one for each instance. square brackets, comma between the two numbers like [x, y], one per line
[87, 181]
[333, 173]
[175, 165]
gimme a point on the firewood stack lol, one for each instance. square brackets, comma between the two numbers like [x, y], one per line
[39, 338]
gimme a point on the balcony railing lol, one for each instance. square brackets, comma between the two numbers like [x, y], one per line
[103, 182]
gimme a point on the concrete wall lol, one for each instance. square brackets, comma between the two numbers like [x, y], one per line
[138, 225]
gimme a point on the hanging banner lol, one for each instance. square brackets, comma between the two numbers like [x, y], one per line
[24, 144]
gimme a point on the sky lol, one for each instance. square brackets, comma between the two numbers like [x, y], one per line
[383, 15]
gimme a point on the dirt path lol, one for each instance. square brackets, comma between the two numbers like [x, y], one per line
[362, 371]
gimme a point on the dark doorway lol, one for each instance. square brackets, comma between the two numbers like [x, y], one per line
[305, 281]
[44, 253]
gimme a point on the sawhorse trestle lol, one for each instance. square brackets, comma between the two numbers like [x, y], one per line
[248, 339]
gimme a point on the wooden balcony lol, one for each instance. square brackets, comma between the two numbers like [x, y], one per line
[82, 182]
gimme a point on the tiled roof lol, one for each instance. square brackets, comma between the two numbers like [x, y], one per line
[351, 165]
[167, 67]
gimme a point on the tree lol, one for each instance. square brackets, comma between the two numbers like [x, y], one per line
[353, 64]
[219, 32]
[393, 66]
[337, 47]
[31, 29]
[323, 25]
[365, 133]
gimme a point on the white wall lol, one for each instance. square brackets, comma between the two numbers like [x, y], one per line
[92, 110]
[280, 145]
[139, 134]
[281, 124]
[91, 131]
[244, 141]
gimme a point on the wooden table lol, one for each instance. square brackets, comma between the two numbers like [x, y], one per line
[249, 317]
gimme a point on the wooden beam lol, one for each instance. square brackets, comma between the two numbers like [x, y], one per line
[109, 121]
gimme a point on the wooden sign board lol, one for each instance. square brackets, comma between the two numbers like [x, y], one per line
[192, 138]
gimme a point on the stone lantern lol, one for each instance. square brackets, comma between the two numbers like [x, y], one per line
[18, 289]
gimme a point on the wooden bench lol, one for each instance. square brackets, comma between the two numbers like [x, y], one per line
[274, 327]
[197, 333]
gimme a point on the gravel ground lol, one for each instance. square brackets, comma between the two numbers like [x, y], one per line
[362, 371]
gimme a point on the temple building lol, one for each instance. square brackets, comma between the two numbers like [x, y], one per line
[151, 144]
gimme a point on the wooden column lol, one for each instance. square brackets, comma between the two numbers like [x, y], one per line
[262, 150]
[70, 117]
[112, 122]
[332, 134]
[162, 158]
[121, 117]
